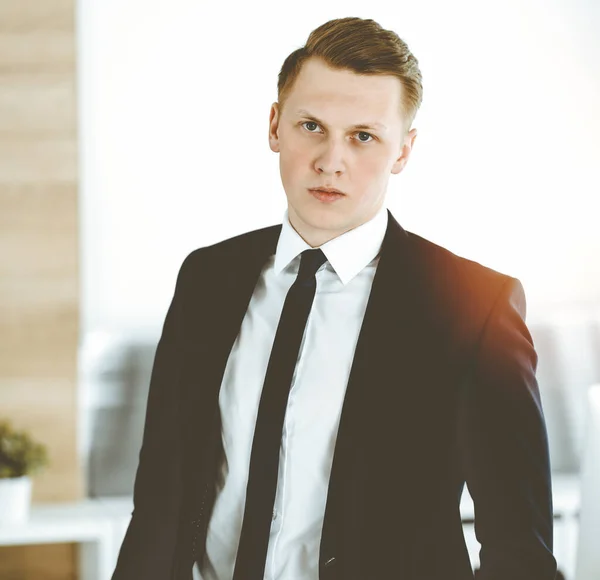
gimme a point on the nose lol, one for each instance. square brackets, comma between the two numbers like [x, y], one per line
[330, 159]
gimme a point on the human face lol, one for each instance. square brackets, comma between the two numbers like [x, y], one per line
[343, 130]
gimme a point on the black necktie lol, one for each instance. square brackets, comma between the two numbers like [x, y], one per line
[264, 459]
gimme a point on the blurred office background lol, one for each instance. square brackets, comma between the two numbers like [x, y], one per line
[133, 132]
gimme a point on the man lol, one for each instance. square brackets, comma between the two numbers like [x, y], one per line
[323, 388]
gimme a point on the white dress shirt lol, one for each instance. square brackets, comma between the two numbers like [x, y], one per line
[314, 404]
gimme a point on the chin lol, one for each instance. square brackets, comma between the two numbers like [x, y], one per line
[325, 217]
[323, 220]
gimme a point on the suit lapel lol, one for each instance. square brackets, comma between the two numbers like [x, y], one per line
[387, 391]
[213, 321]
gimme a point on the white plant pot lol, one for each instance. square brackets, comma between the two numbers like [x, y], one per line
[15, 500]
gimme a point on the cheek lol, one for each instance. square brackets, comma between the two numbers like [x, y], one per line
[288, 165]
[293, 161]
[291, 146]
[369, 169]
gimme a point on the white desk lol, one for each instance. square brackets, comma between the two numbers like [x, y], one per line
[99, 526]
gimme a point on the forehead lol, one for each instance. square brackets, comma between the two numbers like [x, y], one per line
[327, 91]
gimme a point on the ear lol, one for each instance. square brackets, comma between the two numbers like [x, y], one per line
[407, 146]
[274, 127]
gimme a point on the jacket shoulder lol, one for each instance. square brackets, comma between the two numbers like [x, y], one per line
[239, 245]
[445, 266]
[461, 289]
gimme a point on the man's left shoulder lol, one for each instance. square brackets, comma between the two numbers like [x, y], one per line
[456, 278]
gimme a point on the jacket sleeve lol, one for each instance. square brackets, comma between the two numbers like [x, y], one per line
[504, 448]
[148, 549]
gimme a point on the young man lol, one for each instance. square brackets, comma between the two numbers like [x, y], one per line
[323, 388]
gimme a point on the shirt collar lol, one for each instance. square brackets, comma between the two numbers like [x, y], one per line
[348, 253]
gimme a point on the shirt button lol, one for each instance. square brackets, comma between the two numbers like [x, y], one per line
[274, 515]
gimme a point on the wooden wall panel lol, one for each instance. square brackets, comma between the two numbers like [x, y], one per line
[39, 274]
[20, 52]
[44, 562]
[39, 160]
[35, 104]
[37, 16]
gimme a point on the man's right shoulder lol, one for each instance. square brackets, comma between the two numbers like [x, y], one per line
[239, 247]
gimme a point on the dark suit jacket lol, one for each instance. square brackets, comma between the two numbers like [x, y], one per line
[442, 392]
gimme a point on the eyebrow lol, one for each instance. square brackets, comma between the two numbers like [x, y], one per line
[372, 125]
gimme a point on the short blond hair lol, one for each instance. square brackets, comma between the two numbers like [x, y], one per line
[364, 47]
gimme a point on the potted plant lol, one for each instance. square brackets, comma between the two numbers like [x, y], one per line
[20, 457]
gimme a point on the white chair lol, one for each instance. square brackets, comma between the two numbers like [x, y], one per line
[588, 542]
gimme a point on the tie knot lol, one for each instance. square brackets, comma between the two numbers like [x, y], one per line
[310, 262]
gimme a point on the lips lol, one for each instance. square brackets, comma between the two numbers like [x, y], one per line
[327, 190]
[326, 196]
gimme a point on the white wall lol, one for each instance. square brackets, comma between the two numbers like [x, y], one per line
[174, 104]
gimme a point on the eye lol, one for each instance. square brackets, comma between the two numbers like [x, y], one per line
[310, 123]
[357, 133]
[365, 133]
